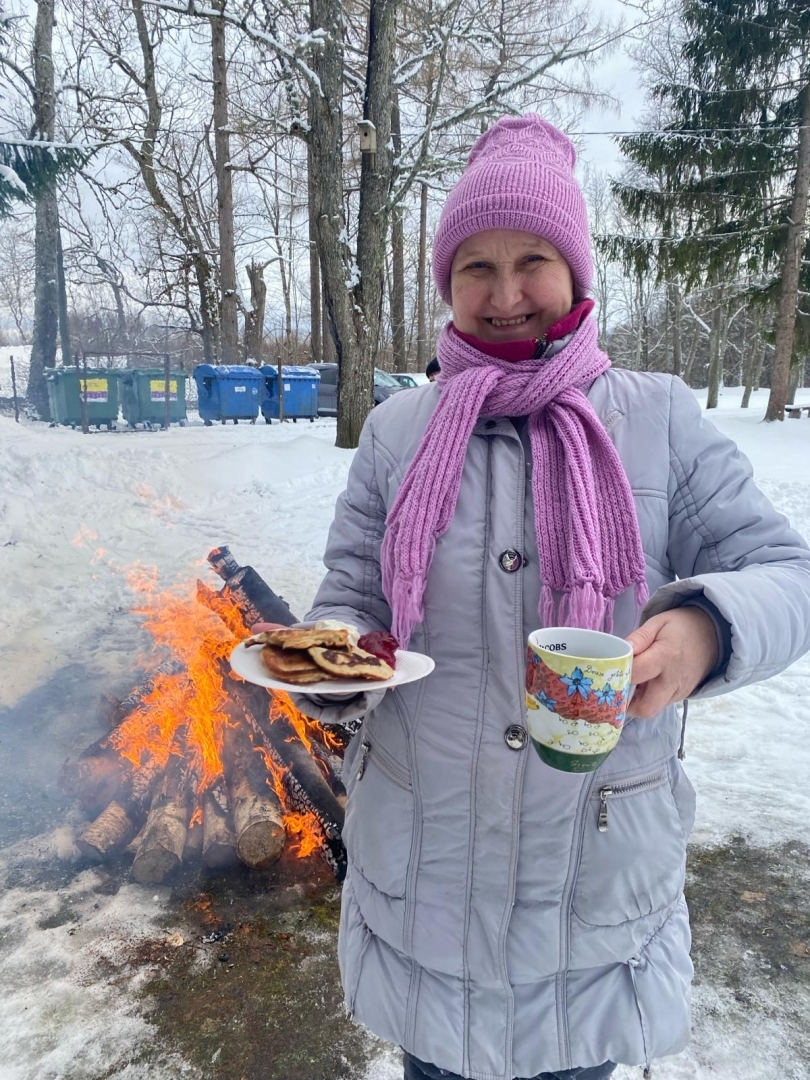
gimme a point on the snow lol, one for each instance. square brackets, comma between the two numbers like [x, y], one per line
[77, 510]
[57, 1018]
[12, 179]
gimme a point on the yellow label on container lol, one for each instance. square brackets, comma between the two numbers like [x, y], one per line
[93, 389]
[157, 389]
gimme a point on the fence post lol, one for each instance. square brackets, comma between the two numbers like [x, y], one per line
[14, 391]
[167, 395]
[83, 395]
[280, 392]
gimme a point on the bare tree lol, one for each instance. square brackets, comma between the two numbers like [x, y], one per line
[17, 272]
[254, 317]
[46, 299]
[229, 323]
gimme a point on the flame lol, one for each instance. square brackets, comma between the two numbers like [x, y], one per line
[303, 826]
[281, 706]
[197, 698]
[188, 712]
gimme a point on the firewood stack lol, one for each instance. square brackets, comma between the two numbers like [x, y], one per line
[279, 775]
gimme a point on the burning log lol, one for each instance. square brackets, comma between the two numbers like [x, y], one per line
[219, 839]
[97, 775]
[332, 769]
[257, 814]
[113, 829]
[251, 594]
[143, 689]
[93, 780]
[161, 849]
[185, 775]
[302, 778]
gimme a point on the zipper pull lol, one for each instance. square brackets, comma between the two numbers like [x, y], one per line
[604, 795]
[362, 767]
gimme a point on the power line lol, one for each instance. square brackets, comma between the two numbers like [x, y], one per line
[695, 132]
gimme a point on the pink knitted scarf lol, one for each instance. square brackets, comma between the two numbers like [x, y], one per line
[584, 516]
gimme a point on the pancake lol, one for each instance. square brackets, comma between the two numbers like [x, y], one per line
[291, 665]
[291, 637]
[351, 663]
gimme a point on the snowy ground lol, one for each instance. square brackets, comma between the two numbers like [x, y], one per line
[76, 511]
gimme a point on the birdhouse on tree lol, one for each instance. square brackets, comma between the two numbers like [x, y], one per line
[368, 136]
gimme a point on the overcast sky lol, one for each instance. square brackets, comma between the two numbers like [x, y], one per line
[616, 75]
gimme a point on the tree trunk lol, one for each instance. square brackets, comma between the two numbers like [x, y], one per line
[64, 327]
[315, 313]
[397, 258]
[286, 292]
[645, 341]
[209, 331]
[675, 308]
[329, 349]
[754, 361]
[46, 299]
[337, 265]
[356, 392]
[789, 288]
[254, 319]
[422, 357]
[690, 363]
[716, 352]
[793, 382]
[229, 323]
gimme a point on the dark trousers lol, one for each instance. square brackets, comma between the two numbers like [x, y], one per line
[421, 1070]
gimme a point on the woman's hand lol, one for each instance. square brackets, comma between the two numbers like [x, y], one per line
[672, 655]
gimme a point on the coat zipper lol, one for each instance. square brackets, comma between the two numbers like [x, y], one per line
[620, 791]
[384, 762]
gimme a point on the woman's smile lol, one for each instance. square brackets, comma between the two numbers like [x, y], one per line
[507, 285]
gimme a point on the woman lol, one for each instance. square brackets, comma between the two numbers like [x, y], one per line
[488, 927]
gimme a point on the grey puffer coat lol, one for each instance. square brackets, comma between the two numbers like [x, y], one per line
[488, 926]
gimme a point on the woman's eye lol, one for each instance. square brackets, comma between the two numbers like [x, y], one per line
[535, 258]
[477, 266]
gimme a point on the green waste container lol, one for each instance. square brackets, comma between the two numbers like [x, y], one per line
[143, 396]
[101, 394]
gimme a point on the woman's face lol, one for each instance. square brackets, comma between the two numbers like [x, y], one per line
[507, 285]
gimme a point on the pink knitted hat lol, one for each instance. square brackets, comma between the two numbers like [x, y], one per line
[519, 175]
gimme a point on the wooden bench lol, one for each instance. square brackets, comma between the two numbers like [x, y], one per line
[795, 411]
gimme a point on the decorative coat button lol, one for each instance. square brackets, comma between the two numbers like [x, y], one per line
[515, 737]
[510, 561]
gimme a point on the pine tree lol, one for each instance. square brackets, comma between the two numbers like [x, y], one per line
[722, 180]
[28, 168]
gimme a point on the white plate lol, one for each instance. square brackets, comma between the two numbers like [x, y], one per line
[248, 663]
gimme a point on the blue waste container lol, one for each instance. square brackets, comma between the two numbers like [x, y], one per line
[227, 392]
[300, 388]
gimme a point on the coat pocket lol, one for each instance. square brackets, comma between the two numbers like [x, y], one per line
[633, 851]
[378, 828]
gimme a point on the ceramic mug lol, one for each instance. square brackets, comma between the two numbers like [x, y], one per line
[577, 690]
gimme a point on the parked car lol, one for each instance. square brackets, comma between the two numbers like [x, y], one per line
[410, 379]
[384, 387]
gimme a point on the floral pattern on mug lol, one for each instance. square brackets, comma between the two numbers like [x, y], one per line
[577, 695]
